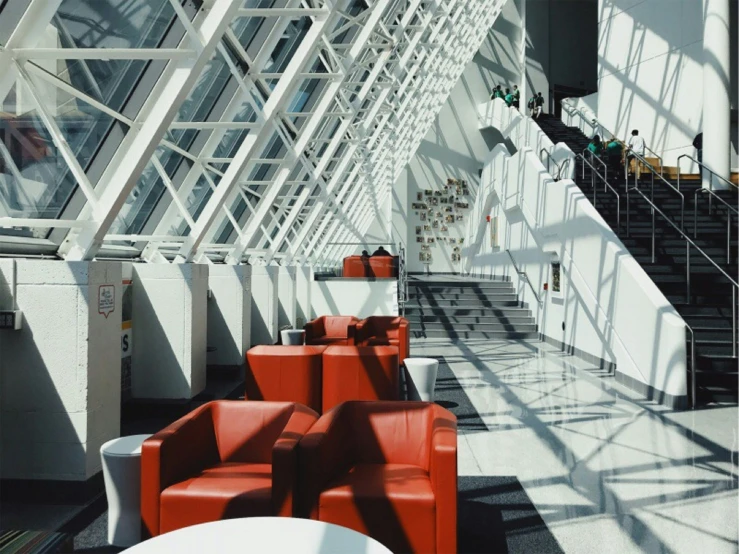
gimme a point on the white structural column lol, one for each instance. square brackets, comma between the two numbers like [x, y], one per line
[523, 44]
[716, 91]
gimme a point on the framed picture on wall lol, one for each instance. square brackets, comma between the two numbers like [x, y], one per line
[437, 193]
[459, 217]
[444, 228]
[419, 239]
[419, 196]
[418, 229]
[422, 216]
[428, 192]
[427, 228]
[450, 218]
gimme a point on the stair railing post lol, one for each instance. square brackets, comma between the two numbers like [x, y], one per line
[695, 212]
[693, 392]
[628, 212]
[728, 237]
[654, 234]
[687, 271]
[733, 321]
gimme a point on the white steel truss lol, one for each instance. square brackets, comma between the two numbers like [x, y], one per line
[269, 132]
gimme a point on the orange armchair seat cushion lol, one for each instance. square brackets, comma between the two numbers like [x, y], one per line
[359, 373]
[285, 374]
[387, 470]
[331, 329]
[225, 459]
[385, 330]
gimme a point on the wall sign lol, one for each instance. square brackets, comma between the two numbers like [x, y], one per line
[106, 300]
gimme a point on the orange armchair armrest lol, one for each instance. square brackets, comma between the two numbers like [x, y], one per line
[177, 452]
[443, 474]
[314, 329]
[324, 451]
[285, 460]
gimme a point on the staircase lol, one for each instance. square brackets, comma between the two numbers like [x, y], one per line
[708, 309]
[457, 308]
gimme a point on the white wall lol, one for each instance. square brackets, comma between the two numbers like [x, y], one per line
[354, 297]
[303, 280]
[229, 314]
[286, 295]
[609, 306]
[60, 376]
[650, 72]
[170, 334]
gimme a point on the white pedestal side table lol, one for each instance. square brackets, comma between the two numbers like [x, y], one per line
[293, 337]
[420, 378]
[122, 475]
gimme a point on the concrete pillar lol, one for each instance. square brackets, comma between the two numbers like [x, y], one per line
[60, 374]
[286, 295]
[264, 318]
[522, 57]
[169, 331]
[229, 315]
[303, 278]
[716, 92]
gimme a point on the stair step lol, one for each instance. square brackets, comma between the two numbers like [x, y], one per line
[508, 300]
[467, 320]
[494, 335]
[486, 327]
[436, 289]
[513, 312]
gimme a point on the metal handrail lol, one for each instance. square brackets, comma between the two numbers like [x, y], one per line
[653, 172]
[525, 276]
[655, 155]
[693, 393]
[402, 280]
[595, 172]
[701, 164]
[593, 157]
[689, 243]
[701, 190]
[550, 159]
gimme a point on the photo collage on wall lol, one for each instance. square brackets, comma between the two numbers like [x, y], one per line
[437, 210]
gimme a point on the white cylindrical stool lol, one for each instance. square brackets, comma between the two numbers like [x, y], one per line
[293, 337]
[420, 378]
[122, 475]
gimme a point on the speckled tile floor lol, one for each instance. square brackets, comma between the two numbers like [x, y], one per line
[606, 470]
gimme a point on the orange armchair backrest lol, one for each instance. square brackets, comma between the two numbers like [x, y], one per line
[391, 432]
[338, 325]
[248, 435]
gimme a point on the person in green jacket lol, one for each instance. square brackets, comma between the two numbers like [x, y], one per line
[596, 146]
[614, 156]
[508, 97]
[516, 97]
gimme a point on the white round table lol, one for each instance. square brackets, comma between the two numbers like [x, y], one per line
[293, 337]
[421, 378]
[262, 535]
[121, 460]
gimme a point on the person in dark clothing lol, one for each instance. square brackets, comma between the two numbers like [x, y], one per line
[698, 145]
[365, 254]
[596, 146]
[381, 252]
[516, 97]
[508, 97]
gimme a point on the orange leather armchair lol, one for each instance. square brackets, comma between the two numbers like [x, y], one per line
[331, 329]
[356, 266]
[226, 459]
[383, 266]
[385, 469]
[359, 373]
[285, 374]
[385, 330]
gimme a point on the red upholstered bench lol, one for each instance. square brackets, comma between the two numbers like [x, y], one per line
[285, 374]
[359, 373]
[383, 266]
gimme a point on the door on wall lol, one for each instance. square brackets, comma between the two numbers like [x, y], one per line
[560, 92]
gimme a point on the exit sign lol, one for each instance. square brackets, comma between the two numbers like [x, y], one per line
[11, 319]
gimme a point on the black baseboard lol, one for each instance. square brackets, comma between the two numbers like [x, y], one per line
[610, 367]
[52, 491]
[647, 391]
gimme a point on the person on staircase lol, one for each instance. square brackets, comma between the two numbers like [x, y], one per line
[497, 93]
[381, 252]
[614, 157]
[596, 146]
[536, 104]
[508, 98]
[636, 145]
[516, 97]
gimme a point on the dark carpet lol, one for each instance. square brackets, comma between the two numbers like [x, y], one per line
[495, 515]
